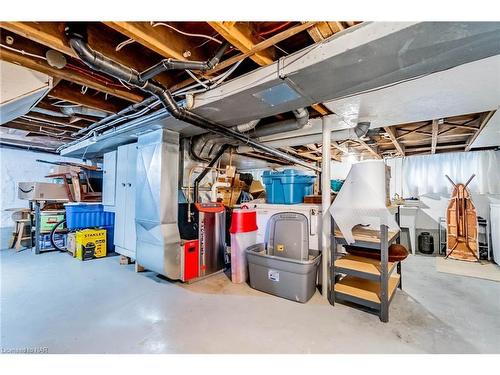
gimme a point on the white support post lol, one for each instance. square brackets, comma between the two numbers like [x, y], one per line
[325, 203]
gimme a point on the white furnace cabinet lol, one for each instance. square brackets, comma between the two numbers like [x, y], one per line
[125, 237]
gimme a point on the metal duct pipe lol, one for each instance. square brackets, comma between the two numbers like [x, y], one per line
[81, 110]
[172, 64]
[207, 141]
[301, 120]
[355, 132]
[48, 112]
[99, 62]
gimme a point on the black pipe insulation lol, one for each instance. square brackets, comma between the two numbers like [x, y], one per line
[172, 64]
[76, 35]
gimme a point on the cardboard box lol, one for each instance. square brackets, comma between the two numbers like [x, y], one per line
[90, 244]
[71, 244]
[230, 196]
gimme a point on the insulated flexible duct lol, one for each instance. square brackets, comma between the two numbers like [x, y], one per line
[76, 35]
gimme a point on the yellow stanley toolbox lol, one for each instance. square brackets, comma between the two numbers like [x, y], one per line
[90, 243]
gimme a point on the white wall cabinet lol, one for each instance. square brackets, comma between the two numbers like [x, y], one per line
[125, 236]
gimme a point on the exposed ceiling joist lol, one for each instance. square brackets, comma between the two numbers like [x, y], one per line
[441, 147]
[392, 135]
[411, 131]
[64, 92]
[482, 123]
[369, 149]
[240, 35]
[66, 74]
[51, 120]
[257, 48]
[41, 129]
[339, 147]
[435, 129]
[51, 35]
[160, 39]
[323, 30]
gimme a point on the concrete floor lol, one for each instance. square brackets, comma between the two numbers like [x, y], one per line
[100, 306]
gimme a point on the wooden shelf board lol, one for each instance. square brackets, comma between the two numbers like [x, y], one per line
[365, 289]
[367, 235]
[362, 264]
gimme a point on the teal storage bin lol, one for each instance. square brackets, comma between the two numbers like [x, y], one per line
[336, 185]
[287, 187]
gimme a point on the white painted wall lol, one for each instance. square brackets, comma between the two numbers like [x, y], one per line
[21, 166]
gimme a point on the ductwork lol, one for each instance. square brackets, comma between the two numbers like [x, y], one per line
[203, 146]
[301, 120]
[99, 62]
[158, 238]
[81, 110]
[206, 145]
[353, 133]
[48, 112]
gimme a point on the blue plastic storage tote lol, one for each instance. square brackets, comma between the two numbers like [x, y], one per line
[79, 216]
[287, 187]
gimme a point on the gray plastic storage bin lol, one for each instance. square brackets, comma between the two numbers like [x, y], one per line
[288, 234]
[286, 278]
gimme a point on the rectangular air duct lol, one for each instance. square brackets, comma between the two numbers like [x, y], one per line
[158, 238]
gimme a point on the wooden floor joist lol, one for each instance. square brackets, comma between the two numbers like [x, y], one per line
[392, 135]
[369, 149]
[434, 141]
[79, 78]
[482, 123]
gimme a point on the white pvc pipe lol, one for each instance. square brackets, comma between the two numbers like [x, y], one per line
[325, 205]
[213, 190]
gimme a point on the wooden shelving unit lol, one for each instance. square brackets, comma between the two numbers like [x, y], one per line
[365, 281]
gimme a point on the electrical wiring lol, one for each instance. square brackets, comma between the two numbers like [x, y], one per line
[109, 124]
[123, 44]
[275, 29]
[23, 52]
[217, 81]
[52, 134]
[60, 104]
[154, 24]
[193, 76]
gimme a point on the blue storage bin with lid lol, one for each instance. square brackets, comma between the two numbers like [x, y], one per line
[88, 215]
[287, 187]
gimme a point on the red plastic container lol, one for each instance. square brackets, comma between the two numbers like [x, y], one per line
[243, 220]
[243, 234]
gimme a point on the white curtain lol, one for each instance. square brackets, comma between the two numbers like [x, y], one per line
[425, 174]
